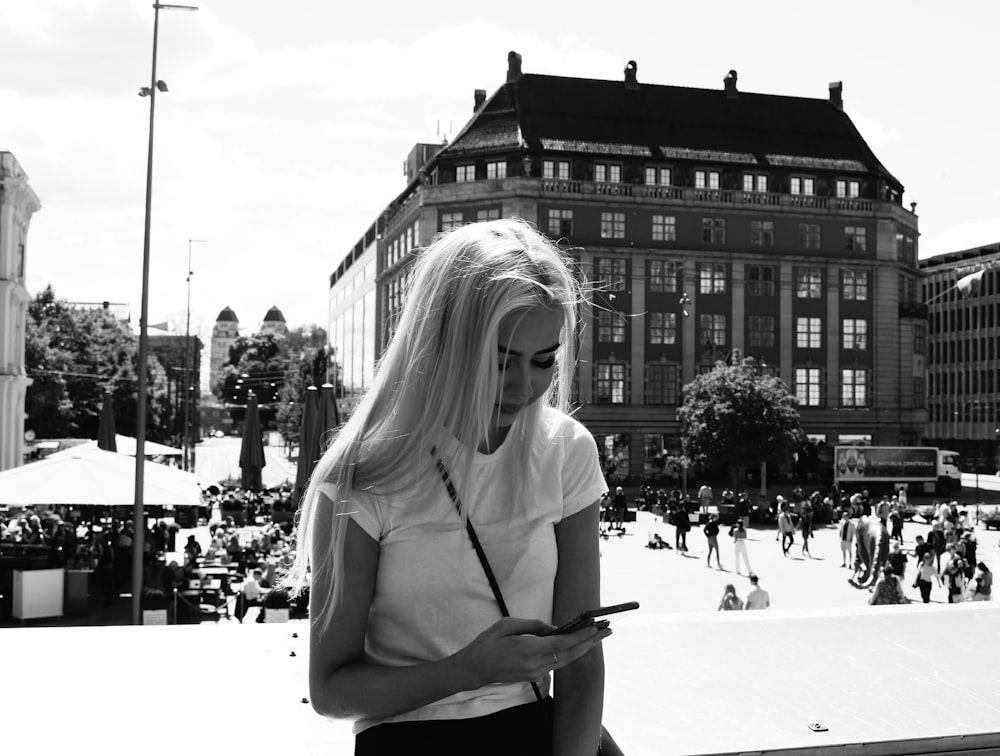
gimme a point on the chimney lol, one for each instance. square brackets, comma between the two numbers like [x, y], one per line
[480, 99]
[730, 82]
[513, 67]
[630, 71]
[837, 94]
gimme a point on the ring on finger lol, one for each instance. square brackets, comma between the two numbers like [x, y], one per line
[555, 659]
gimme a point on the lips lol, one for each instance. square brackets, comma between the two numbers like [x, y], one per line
[509, 409]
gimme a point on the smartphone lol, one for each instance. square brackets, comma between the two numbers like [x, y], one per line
[587, 618]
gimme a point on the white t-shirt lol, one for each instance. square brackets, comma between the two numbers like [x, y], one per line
[432, 597]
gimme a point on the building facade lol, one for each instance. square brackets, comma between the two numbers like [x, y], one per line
[713, 224]
[18, 202]
[963, 394]
[224, 334]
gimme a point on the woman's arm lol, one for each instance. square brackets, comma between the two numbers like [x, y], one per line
[579, 687]
[343, 686]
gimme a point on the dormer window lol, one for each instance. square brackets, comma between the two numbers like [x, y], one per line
[658, 177]
[464, 173]
[496, 169]
[754, 182]
[848, 188]
[607, 173]
[706, 179]
[804, 185]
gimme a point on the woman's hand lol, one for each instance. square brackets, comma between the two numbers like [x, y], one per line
[519, 650]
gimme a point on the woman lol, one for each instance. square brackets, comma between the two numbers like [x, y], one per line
[730, 601]
[888, 590]
[407, 638]
[926, 572]
[712, 536]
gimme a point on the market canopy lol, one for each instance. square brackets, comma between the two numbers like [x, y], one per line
[92, 476]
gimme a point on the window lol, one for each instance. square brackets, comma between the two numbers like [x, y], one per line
[920, 339]
[809, 237]
[450, 221]
[661, 383]
[713, 330]
[662, 327]
[560, 223]
[848, 189]
[856, 238]
[611, 273]
[761, 233]
[496, 169]
[612, 225]
[803, 185]
[760, 280]
[906, 248]
[809, 283]
[761, 332]
[610, 327]
[464, 173]
[662, 276]
[706, 179]
[658, 176]
[555, 169]
[808, 386]
[855, 334]
[664, 228]
[711, 278]
[754, 182]
[853, 387]
[854, 284]
[487, 215]
[809, 333]
[610, 383]
[713, 230]
[608, 173]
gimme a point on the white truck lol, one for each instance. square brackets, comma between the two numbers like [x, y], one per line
[924, 469]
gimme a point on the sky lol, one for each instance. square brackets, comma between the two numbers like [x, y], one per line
[285, 127]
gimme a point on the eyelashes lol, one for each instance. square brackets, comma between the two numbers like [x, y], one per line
[543, 365]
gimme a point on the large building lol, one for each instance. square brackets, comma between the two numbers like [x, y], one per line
[18, 202]
[715, 223]
[962, 294]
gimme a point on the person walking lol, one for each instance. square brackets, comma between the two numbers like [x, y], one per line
[926, 573]
[682, 524]
[846, 529]
[786, 528]
[739, 535]
[618, 505]
[464, 430]
[887, 589]
[758, 598]
[806, 527]
[712, 537]
[980, 587]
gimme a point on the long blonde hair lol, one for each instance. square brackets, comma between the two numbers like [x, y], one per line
[439, 372]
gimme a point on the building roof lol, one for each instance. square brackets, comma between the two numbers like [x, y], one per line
[227, 314]
[274, 315]
[553, 113]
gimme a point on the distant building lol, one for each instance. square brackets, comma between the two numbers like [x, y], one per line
[274, 322]
[716, 223]
[183, 389]
[18, 202]
[963, 392]
[224, 335]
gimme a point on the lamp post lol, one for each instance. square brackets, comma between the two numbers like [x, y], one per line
[186, 442]
[138, 522]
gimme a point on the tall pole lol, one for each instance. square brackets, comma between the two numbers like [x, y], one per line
[188, 360]
[138, 511]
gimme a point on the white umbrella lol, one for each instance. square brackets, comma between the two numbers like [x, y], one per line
[94, 476]
[126, 445]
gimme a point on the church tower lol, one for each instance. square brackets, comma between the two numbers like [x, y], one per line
[274, 322]
[224, 335]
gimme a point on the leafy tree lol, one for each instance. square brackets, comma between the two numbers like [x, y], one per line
[73, 355]
[256, 363]
[733, 415]
[307, 366]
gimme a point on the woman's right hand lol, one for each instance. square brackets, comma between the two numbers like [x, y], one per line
[520, 650]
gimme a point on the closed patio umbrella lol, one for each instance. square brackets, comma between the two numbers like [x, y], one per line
[308, 441]
[328, 417]
[106, 426]
[252, 450]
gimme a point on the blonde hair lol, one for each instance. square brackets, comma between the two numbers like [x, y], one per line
[439, 372]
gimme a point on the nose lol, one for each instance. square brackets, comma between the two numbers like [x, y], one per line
[517, 382]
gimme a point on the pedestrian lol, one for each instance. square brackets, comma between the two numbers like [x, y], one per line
[705, 496]
[896, 520]
[897, 560]
[786, 528]
[954, 576]
[888, 589]
[980, 587]
[937, 542]
[926, 573]
[758, 598]
[618, 505]
[730, 601]
[712, 536]
[806, 527]
[739, 535]
[846, 528]
[682, 524]
[463, 425]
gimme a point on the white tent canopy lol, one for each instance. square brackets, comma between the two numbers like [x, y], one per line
[126, 445]
[94, 476]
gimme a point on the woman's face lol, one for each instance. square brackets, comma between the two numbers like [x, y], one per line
[526, 351]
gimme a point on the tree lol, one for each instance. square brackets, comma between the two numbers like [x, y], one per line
[256, 363]
[733, 415]
[307, 366]
[73, 355]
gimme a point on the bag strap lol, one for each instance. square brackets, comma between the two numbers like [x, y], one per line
[490, 577]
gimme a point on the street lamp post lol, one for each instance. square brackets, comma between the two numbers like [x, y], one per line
[138, 521]
[188, 462]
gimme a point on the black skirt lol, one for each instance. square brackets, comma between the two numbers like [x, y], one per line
[525, 730]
